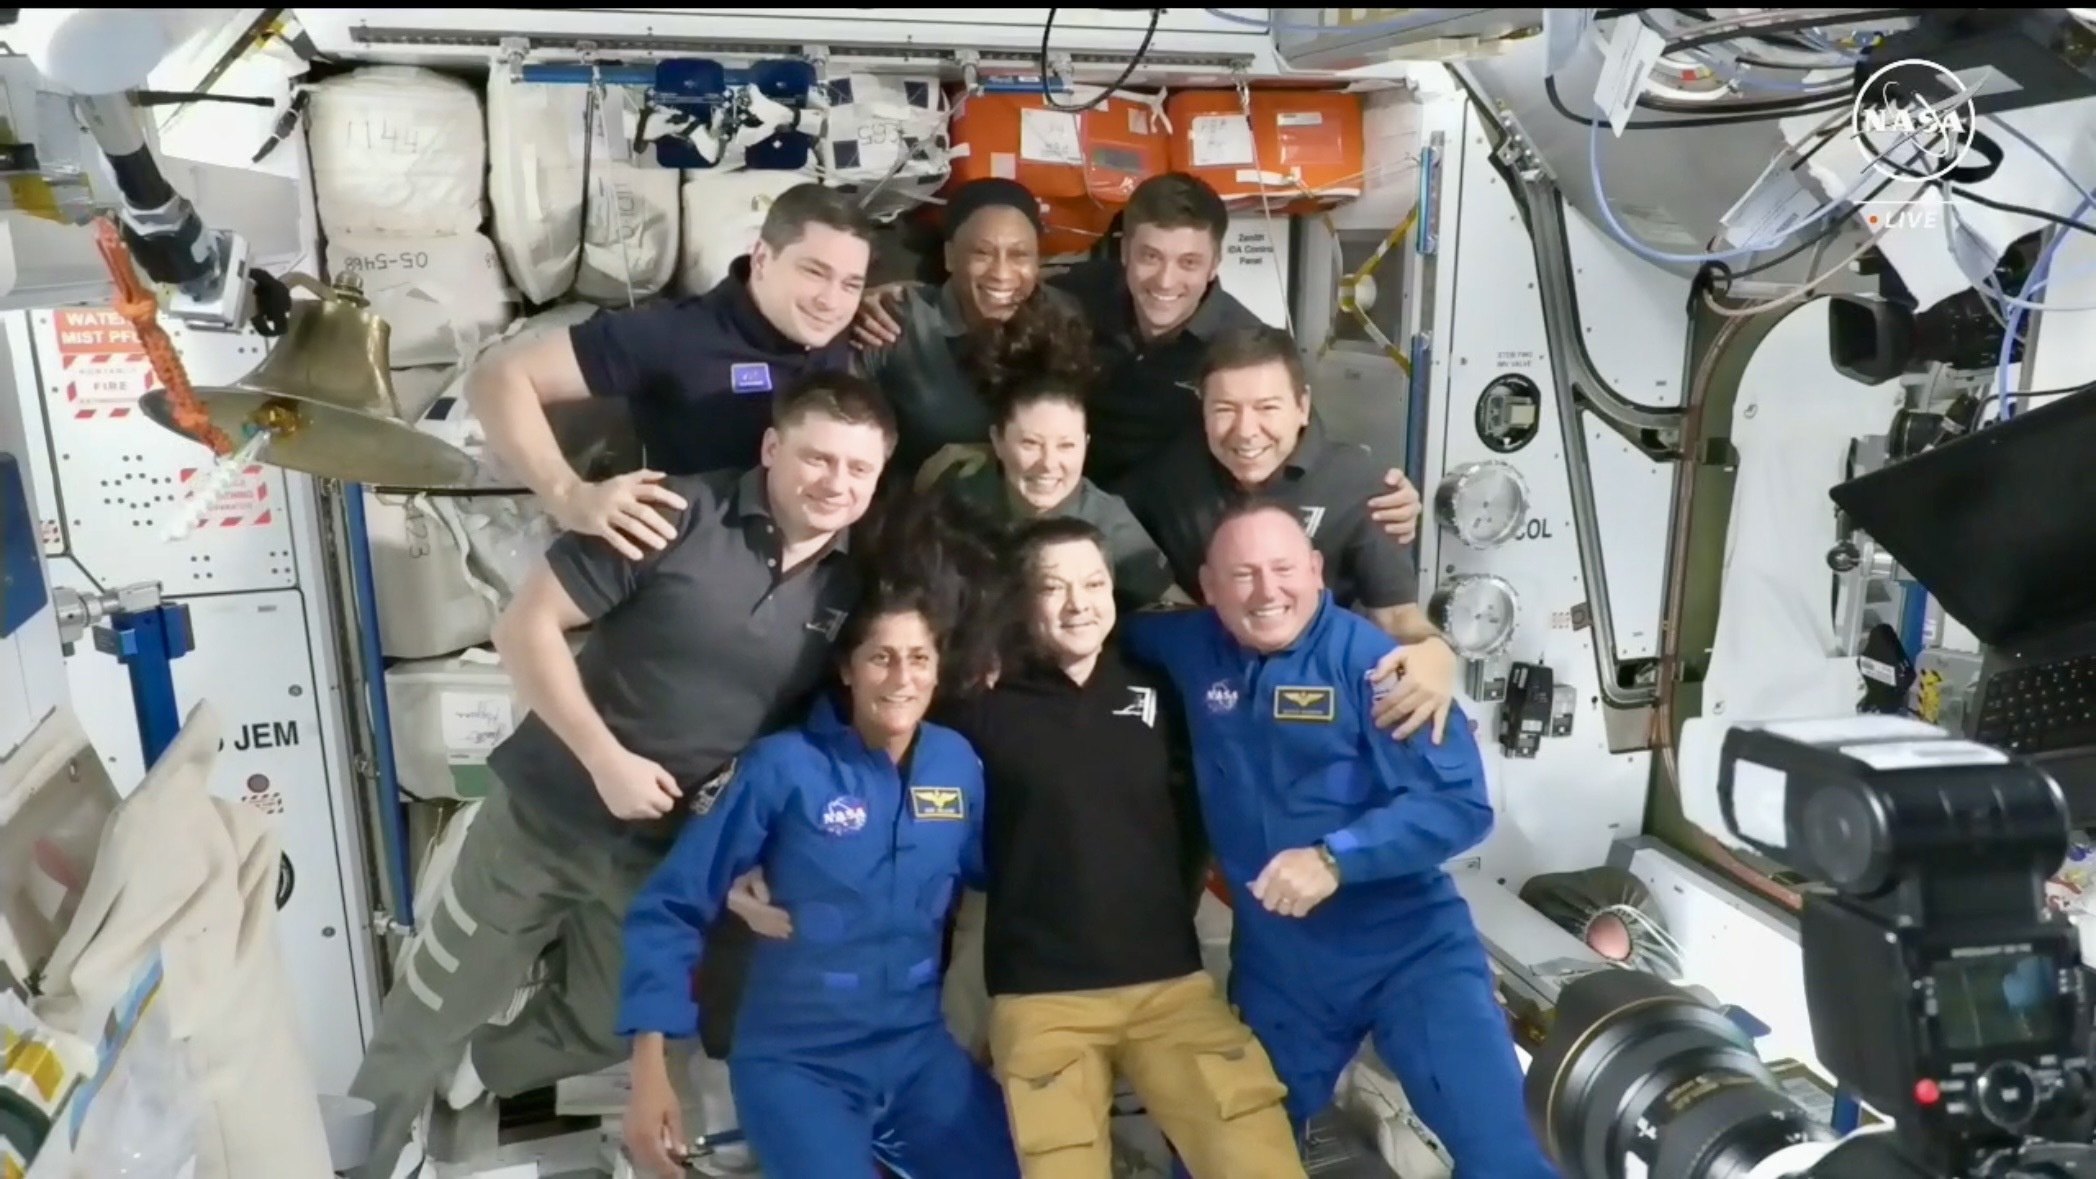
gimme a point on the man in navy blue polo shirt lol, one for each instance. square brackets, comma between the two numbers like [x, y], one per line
[698, 373]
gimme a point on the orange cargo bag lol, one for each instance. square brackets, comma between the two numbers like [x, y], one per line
[1081, 167]
[1301, 150]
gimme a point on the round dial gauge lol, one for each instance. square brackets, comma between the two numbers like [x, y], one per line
[1477, 612]
[1483, 504]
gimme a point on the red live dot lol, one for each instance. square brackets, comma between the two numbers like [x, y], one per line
[1926, 1092]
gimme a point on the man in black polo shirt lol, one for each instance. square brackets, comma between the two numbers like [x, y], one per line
[698, 374]
[1094, 853]
[696, 650]
[1260, 437]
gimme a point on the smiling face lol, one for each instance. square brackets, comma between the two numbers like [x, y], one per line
[995, 261]
[1073, 602]
[820, 472]
[1254, 416]
[810, 289]
[1263, 579]
[1041, 448]
[1168, 274]
[892, 674]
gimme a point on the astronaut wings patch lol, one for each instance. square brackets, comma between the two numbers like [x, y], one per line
[710, 791]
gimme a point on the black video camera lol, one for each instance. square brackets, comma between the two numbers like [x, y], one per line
[1943, 993]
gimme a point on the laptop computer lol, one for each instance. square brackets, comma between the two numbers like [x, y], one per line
[2000, 527]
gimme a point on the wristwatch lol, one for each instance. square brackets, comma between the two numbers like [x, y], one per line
[1325, 853]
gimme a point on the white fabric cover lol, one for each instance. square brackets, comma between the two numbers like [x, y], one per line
[194, 877]
[1775, 655]
[537, 135]
[397, 149]
[442, 295]
[632, 212]
[430, 602]
[443, 566]
[722, 213]
[875, 121]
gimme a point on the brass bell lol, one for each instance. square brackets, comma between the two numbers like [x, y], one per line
[325, 396]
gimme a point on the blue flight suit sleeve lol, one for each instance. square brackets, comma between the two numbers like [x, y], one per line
[666, 923]
[1159, 637]
[1439, 807]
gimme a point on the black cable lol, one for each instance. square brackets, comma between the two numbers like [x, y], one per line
[1048, 90]
[1788, 25]
[1557, 103]
[2021, 210]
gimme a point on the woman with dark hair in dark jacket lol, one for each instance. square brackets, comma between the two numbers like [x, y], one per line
[989, 323]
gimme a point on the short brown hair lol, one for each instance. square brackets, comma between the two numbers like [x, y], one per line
[1245, 506]
[1251, 346]
[846, 397]
[1175, 200]
[811, 204]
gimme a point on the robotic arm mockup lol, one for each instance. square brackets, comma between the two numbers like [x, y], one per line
[93, 59]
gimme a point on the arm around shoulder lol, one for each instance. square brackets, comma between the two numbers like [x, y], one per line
[509, 389]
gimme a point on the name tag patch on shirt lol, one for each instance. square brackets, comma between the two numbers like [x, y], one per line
[844, 815]
[1312, 705]
[750, 378]
[710, 791]
[938, 802]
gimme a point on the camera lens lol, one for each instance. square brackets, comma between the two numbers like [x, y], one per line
[1637, 1068]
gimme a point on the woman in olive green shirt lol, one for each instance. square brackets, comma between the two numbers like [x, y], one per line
[1036, 468]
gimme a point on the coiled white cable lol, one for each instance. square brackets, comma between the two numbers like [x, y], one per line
[223, 477]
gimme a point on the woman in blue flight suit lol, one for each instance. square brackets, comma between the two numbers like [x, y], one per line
[863, 820]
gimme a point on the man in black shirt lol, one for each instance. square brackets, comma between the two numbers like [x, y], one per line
[1089, 950]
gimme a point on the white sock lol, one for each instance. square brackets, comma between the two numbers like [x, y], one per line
[466, 1087]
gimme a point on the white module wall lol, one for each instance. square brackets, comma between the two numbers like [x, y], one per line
[254, 577]
[1561, 809]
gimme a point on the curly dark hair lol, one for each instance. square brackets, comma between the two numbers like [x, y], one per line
[925, 548]
[1044, 338]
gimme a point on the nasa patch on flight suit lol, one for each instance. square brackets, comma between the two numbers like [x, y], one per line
[938, 803]
[710, 791]
[1312, 705]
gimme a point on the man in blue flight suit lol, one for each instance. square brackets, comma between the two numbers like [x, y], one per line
[1331, 838]
[862, 824]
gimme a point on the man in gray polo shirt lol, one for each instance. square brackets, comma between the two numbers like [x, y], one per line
[696, 650]
[1261, 438]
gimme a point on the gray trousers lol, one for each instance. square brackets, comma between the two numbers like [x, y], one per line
[520, 884]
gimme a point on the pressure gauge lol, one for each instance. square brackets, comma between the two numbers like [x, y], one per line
[1478, 613]
[1483, 504]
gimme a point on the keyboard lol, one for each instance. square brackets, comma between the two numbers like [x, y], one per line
[2044, 708]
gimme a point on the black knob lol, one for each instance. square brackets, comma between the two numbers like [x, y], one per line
[1844, 557]
[2008, 1095]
